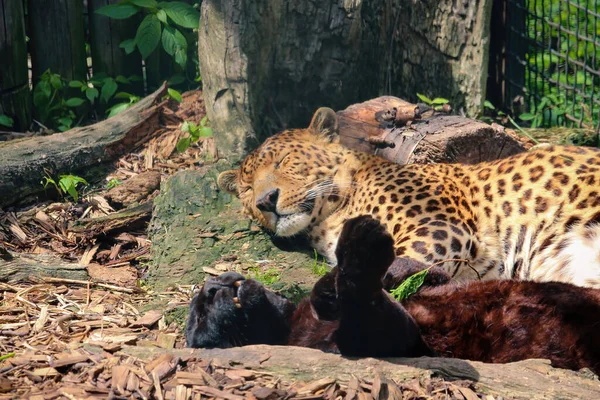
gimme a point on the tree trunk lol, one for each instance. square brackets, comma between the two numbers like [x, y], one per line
[82, 151]
[267, 65]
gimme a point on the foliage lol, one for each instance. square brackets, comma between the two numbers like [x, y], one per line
[436, 103]
[59, 106]
[319, 268]
[546, 112]
[114, 182]
[117, 108]
[410, 286]
[195, 132]
[7, 356]
[162, 24]
[7, 121]
[553, 70]
[67, 184]
[51, 102]
[173, 94]
[267, 278]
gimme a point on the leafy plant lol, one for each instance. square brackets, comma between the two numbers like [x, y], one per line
[67, 184]
[319, 268]
[267, 278]
[7, 121]
[117, 108]
[410, 286]
[161, 24]
[546, 113]
[195, 132]
[50, 102]
[436, 103]
[114, 182]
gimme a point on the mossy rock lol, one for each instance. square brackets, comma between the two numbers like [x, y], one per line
[195, 225]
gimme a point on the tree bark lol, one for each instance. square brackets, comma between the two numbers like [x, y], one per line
[268, 64]
[18, 267]
[81, 151]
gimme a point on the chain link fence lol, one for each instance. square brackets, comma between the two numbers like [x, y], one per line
[545, 61]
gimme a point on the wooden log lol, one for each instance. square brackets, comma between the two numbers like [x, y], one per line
[127, 218]
[106, 34]
[18, 267]
[57, 38]
[15, 100]
[403, 133]
[530, 379]
[23, 163]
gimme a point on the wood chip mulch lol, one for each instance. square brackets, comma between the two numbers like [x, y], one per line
[62, 340]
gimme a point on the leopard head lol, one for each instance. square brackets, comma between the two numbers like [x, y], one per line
[295, 179]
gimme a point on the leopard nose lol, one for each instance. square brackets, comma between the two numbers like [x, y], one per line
[268, 202]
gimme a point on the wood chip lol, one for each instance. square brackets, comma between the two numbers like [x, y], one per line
[63, 360]
[468, 393]
[47, 371]
[316, 385]
[166, 341]
[120, 376]
[210, 391]
[149, 319]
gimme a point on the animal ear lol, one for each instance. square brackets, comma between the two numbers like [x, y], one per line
[227, 181]
[325, 123]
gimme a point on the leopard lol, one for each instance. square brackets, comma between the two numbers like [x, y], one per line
[530, 216]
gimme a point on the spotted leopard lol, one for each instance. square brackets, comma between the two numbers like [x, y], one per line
[533, 216]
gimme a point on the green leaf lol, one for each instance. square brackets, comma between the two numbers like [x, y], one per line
[55, 81]
[424, 98]
[144, 3]
[124, 95]
[128, 45]
[410, 286]
[118, 11]
[182, 14]
[440, 101]
[91, 93]
[147, 36]
[204, 120]
[76, 84]
[109, 88]
[526, 117]
[122, 79]
[162, 17]
[66, 121]
[183, 144]
[7, 355]
[173, 41]
[206, 132]
[181, 57]
[185, 127]
[117, 108]
[6, 121]
[175, 94]
[488, 104]
[74, 102]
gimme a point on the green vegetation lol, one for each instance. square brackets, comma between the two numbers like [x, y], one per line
[168, 25]
[267, 278]
[67, 185]
[195, 132]
[114, 182]
[436, 103]
[410, 286]
[552, 72]
[6, 121]
[319, 268]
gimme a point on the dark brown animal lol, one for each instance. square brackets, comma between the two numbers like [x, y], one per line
[349, 311]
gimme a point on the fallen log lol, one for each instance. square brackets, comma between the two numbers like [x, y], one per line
[407, 133]
[127, 218]
[17, 267]
[80, 151]
[530, 379]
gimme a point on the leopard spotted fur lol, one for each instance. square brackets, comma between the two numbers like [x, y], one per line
[533, 216]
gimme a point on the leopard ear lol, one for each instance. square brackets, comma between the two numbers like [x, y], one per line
[325, 123]
[227, 181]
